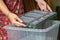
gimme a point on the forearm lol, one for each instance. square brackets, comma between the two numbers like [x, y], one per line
[4, 8]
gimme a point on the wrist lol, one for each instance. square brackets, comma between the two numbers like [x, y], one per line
[7, 13]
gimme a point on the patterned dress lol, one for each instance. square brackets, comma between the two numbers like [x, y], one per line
[14, 6]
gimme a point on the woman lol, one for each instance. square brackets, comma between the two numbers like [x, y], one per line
[8, 11]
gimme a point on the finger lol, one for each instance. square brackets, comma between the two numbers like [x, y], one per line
[19, 24]
[12, 24]
[42, 6]
[45, 10]
[48, 8]
[45, 6]
[18, 19]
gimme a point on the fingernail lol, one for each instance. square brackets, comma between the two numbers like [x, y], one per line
[21, 21]
[24, 25]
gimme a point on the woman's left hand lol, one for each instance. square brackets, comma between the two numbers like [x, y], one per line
[43, 5]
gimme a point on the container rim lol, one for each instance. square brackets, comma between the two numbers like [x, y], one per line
[56, 24]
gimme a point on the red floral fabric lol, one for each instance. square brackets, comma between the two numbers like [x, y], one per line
[14, 6]
[3, 34]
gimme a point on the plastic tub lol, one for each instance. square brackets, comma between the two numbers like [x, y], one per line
[36, 18]
[49, 33]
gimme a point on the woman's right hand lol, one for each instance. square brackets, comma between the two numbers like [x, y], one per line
[15, 20]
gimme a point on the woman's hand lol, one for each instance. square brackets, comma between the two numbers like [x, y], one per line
[15, 20]
[43, 5]
[12, 17]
